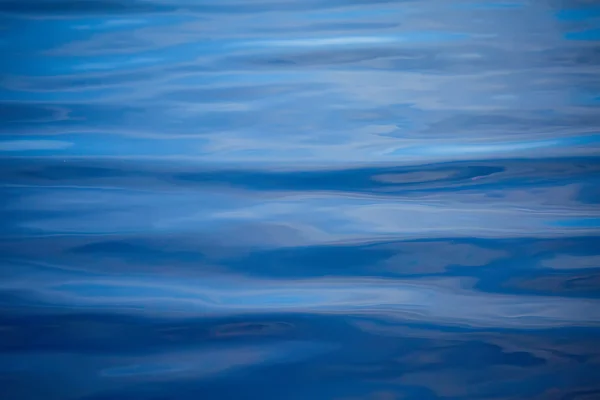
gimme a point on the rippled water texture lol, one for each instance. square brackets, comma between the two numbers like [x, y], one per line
[299, 199]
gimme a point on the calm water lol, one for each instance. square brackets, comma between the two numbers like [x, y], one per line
[299, 199]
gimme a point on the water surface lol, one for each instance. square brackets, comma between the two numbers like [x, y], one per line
[299, 199]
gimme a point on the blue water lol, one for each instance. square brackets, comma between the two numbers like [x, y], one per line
[299, 199]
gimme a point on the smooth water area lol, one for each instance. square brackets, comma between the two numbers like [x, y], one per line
[299, 199]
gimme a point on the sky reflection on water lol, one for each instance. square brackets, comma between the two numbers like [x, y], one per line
[290, 199]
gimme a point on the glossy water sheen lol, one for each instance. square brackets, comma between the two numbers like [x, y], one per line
[299, 199]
